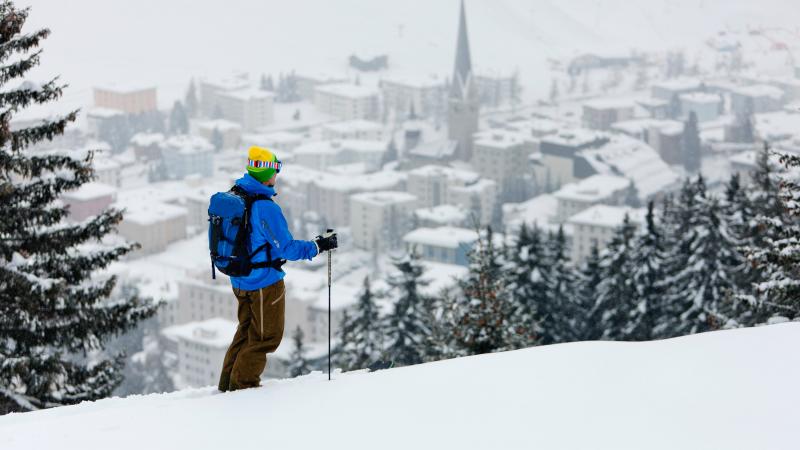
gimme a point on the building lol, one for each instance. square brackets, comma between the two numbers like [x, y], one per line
[153, 225]
[664, 135]
[347, 101]
[705, 106]
[328, 194]
[379, 220]
[599, 114]
[251, 108]
[630, 158]
[130, 100]
[147, 146]
[503, 156]
[280, 141]
[424, 97]
[576, 197]
[307, 83]
[184, 155]
[440, 185]
[558, 154]
[596, 226]
[230, 132]
[440, 216]
[90, 199]
[669, 89]
[463, 99]
[321, 155]
[211, 89]
[201, 300]
[755, 99]
[495, 89]
[201, 350]
[358, 129]
[97, 119]
[655, 107]
[449, 245]
[479, 198]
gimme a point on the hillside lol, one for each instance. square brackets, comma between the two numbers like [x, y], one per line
[724, 390]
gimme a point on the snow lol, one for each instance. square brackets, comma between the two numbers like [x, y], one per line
[146, 212]
[777, 125]
[760, 90]
[220, 124]
[216, 333]
[353, 126]
[540, 210]
[383, 197]
[609, 103]
[442, 214]
[498, 139]
[722, 390]
[592, 189]
[347, 90]
[450, 237]
[91, 190]
[700, 98]
[147, 139]
[607, 216]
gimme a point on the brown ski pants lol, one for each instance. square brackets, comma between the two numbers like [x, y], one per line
[260, 331]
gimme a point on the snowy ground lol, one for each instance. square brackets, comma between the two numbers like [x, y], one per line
[724, 390]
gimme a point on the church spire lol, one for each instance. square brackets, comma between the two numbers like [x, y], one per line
[462, 71]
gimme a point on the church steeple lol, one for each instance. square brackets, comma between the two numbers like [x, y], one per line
[462, 113]
[462, 71]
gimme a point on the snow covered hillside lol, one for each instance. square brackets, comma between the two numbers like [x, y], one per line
[723, 390]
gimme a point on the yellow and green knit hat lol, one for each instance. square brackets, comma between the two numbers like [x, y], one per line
[262, 163]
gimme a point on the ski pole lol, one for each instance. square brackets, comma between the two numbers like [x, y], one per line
[328, 233]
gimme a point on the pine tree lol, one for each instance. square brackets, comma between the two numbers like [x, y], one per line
[778, 256]
[391, 152]
[586, 281]
[616, 291]
[191, 100]
[407, 326]
[647, 273]
[52, 313]
[632, 196]
[484, 311]
[217, 140]
[526, 272]
[178, 119]
[708, 279]
[558, 313]
[692, 149]
[361, 340]
[298, 363]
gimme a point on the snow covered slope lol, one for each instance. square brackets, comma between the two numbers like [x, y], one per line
[724, 390]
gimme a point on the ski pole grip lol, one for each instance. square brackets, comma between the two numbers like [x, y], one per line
[328, 232]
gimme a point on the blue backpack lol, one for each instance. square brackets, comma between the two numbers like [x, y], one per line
[229, 234]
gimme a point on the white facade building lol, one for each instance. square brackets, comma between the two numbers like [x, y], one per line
[230, 131]
[378, 220]
[576, 197]
[503, 156]
[321, 155]
[151, 224]
[596, 226]
[251, 108]
[425, 95]
[449, 245]
[201, 350]
[364, 130]
[705, 106]
[184, 155]
[347, 101]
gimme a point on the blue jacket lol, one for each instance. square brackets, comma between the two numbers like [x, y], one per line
[269, 224]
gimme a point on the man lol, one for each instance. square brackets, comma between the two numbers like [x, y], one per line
[261, 294]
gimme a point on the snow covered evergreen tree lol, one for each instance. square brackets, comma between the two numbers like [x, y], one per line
[407, 326]
[647, 272]
[557, 315]
[54, 319]
[587, 279]
[778, 295]
[484, 312]
[610, 315]
[217, 140]
[361, 337]
[298, 363]
[178, 119]
[191, 100]
[526, 272]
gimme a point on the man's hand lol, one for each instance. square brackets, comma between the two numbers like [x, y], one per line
[326, 242]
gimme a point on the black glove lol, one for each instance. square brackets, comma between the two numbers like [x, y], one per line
[326, 241]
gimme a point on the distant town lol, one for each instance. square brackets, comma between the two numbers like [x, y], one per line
[395, 164]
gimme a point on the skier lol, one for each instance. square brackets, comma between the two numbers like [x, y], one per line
[261, 294]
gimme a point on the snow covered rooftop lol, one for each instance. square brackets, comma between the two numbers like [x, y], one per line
[415, 80]
[352, 91]
[103, 113]
[147, 212]
[442, 214]
[452, 174]
[351, 126]
[593, 189]
[777, 125]
[91, 190]
[679, 84]
[609, 103]
[188, 144]
[382, 198]
[122, 88]
[219, 124]
[607, 216]
[450, 237]
[216, 333]
[635, 160]
[147, 139]
[540, 210]
[731, 389]
[248, 94]
[499, 139]
[760, 90]
[636, 127]
[336, 146]
[574, 137]
[699, 98]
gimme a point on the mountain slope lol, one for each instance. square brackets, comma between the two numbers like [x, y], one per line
[724, 390]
